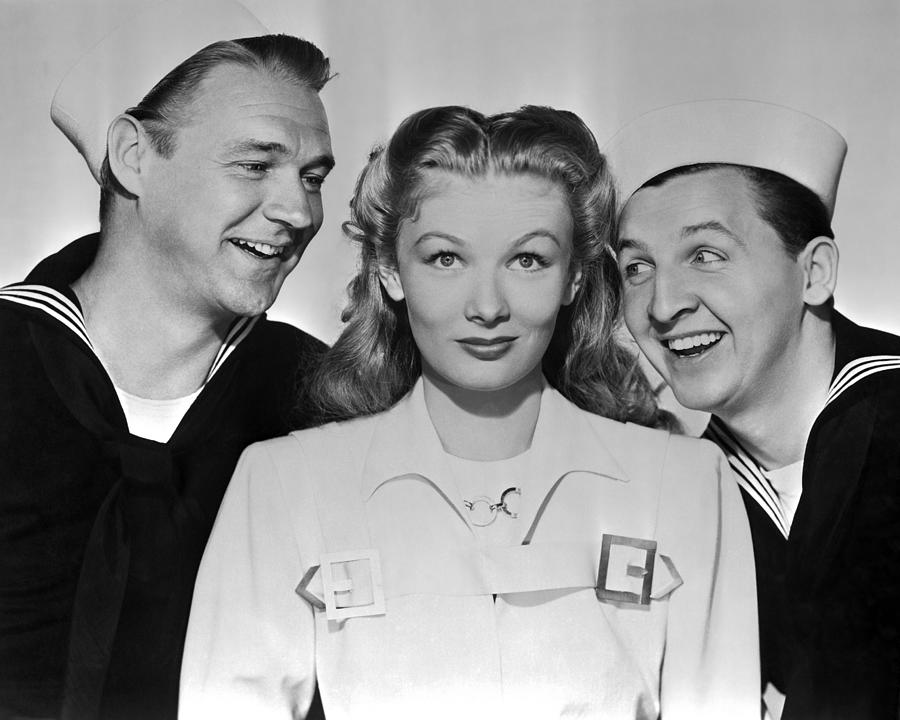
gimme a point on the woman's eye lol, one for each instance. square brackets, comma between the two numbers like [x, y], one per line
[443, 259]
[528, 261]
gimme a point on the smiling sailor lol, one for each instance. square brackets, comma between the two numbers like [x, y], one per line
[729, 266]
[136, 363]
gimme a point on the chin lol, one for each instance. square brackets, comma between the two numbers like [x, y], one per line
[703, 398]
[250, 304]
[489, 383]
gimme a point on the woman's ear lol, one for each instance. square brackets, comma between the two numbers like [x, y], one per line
[390, 279]
[126, 143]
[573, 285]
[819, 261]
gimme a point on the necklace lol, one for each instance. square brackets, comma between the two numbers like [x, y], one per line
[484, 510]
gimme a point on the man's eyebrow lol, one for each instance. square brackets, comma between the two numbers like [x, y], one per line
[713, 225]
[631, 244]
[326, 160]
[254, 145]
[271, 147]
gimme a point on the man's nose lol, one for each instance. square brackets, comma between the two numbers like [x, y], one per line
[487, 303]
[290, 205]
[672, 296]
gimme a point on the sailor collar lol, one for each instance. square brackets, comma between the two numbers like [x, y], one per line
[405, 443]
[47, 291]
[851, 367]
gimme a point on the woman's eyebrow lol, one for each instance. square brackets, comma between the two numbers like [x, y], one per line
[537, 233]
[438, 234]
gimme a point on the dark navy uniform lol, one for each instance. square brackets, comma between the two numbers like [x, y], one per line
[829, 593]
[101, 532]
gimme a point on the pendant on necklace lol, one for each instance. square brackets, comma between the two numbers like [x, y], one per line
[484, 510]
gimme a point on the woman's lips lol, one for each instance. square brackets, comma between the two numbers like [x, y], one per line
[487, 348]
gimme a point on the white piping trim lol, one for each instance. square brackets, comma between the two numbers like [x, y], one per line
[859, 369]
[60, 308]
[749, 475]
[236, 334]
[53, 303]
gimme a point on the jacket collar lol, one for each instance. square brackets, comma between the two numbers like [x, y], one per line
[405, 442]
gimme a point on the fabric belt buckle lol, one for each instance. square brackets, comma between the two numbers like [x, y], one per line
[351, 583]
[618, 572]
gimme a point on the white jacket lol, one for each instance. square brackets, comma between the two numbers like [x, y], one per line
[371, 502]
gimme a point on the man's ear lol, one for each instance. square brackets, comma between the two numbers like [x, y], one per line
[574, 284]
[126, 146]
[390, 279]
[819, 261]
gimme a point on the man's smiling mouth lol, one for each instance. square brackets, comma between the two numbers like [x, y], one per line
[690, 345]
[259, 249]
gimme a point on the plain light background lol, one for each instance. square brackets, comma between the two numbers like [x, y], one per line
[607, 60]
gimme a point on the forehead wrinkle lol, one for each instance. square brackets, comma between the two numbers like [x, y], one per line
[689, 231]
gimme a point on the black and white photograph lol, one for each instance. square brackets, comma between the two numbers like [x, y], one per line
[450, 359]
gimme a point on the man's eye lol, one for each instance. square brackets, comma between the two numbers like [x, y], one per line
[634, 268]
[314, 182]
[254, 167]
[707, 256]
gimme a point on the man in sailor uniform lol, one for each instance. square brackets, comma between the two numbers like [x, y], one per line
[136, 364]
[729, 266]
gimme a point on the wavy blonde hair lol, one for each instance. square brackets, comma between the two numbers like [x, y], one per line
[375, 360]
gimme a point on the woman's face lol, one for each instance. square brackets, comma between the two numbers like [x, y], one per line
[484, 268]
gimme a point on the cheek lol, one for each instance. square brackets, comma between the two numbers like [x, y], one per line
[536, 304]
[430, 306]
[634, 309]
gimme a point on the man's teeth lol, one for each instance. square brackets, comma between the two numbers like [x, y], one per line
[694, 341]
[260, 248]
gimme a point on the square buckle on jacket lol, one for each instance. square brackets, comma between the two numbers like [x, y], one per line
[618, 572]
[351, 583]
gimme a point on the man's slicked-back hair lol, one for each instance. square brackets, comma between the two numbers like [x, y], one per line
[167, 106]
[794, 211]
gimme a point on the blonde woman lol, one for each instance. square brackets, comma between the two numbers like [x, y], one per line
[486, 530]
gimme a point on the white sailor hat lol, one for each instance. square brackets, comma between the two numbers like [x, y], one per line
[125, 65]
[739, 132]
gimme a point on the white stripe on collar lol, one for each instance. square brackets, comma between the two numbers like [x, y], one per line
[63, 310]
[749, 473]
[859, 369]
[239, 330]
[52, 302]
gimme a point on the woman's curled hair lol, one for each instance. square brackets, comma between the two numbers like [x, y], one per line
[375, 360]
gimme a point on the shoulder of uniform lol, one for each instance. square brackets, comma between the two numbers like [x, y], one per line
[282, 333]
